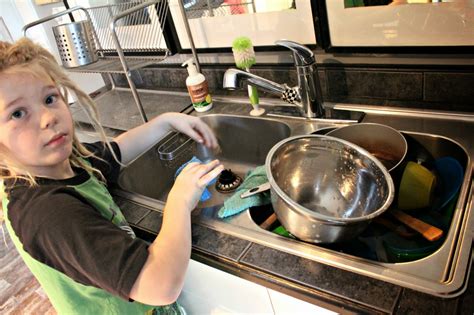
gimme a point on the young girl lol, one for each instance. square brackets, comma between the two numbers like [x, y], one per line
[57, 209]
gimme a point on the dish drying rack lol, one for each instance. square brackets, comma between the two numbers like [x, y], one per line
[119, 32]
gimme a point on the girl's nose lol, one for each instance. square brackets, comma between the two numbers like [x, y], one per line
[48, 118]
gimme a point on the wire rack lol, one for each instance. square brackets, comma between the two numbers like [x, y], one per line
[176, 149]
[121, 32]
[138, 28]
[134, 29]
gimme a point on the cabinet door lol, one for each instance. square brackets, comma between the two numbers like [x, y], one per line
[287, 305]
[211, 291]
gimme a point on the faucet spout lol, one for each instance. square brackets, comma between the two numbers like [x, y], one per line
[307, 96]
[234, 78]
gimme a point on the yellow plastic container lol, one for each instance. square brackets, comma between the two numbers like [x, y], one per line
[416, 187]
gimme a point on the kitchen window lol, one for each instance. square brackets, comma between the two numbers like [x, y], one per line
[216, 23]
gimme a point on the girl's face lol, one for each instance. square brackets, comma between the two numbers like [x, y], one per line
[36, 127]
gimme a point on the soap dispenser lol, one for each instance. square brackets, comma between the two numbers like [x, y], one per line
[197, 87]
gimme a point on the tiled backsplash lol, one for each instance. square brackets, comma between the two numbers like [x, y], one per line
[387, 85]
[403, 87]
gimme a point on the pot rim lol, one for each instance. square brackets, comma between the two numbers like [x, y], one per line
[401, 136]
[320, 217]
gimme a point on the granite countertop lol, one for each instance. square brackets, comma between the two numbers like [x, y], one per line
[117, 108]
[321, 284]
[326, 286]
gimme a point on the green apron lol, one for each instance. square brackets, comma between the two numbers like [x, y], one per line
[70, 297]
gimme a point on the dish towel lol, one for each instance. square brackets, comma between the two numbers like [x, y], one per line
[235, 204]
[206, 194]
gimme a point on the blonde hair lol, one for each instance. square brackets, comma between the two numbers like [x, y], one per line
[26, 56]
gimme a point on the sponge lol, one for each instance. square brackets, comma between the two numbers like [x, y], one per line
[206, 194]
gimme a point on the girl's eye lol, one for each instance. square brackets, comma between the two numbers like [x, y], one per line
[18, 114]
[50, 99]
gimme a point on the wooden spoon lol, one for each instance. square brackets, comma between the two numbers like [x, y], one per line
[431, 233]
[396, 227]
[268, 221]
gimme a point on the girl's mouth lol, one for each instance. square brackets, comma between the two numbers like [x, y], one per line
[56, 140]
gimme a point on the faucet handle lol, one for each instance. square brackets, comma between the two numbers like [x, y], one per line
[290, 95]
[303, 55]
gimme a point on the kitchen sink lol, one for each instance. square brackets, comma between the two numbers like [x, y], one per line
[394, 248]
[245, 142]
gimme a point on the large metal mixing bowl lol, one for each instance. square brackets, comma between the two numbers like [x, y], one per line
[325, 189]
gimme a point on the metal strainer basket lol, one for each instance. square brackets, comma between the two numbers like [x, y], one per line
[75, 43]
[176, 149]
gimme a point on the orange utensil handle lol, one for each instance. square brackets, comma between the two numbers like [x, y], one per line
[268, 222]
[395, 227]
[431, 233]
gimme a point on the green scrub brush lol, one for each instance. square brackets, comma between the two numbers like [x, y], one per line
[244, 57]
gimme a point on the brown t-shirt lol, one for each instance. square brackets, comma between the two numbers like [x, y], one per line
[62, 229]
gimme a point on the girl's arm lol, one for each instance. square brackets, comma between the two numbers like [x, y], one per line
[162, 277]
[139, 139]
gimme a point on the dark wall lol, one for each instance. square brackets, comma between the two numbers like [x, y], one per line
[428, 87]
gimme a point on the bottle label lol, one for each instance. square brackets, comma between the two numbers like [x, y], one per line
[199, 93]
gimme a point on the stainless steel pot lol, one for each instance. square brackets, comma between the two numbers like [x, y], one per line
[385, 143]
[325, 189]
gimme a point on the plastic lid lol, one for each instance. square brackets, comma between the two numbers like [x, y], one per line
[192, 70]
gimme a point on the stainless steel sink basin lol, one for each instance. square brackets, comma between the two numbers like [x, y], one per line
[245, 142]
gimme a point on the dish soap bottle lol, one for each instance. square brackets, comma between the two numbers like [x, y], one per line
[197, 87]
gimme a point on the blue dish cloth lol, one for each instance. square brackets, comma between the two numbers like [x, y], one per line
[206, 194]
[235, 204]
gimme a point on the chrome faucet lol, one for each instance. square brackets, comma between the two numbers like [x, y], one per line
[307, 96]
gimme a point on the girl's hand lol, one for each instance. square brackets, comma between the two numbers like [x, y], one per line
[190, 183]
[135, 141]
[192, 126]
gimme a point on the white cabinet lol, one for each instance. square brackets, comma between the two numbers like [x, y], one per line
[287, 305]
[211, 291]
